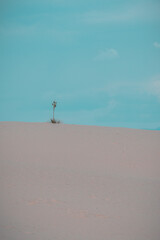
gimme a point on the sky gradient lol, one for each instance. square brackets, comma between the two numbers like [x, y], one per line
[99, 59]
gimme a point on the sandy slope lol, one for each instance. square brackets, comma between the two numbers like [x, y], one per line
[68, 182]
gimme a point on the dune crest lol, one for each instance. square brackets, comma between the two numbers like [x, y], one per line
[70, 182]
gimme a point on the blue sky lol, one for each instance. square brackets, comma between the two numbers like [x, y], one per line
[99, 59]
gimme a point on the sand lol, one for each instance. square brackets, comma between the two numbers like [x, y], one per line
[71, 182]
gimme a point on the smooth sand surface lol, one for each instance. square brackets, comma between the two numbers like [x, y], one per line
[70, 182]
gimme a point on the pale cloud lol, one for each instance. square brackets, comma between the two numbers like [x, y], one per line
[19, 30]
[111, 105]
[153, 87]
[156, 44]
[127, 13]
[106, 54]
[94, 17]
[39, 30]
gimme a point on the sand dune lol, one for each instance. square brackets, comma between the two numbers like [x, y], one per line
[70, 182]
